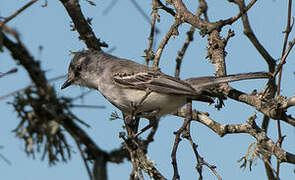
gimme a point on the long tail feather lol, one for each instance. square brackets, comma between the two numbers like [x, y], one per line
[201, 83]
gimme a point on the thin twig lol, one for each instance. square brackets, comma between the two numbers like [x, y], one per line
[141, 11]
[143, 14]
[283, 59]
[230, 34]
[172, 31]
[253, 39]
[87, 106]
[177, 138]
[134, 172]
[203, 7]
[269, 169]
[82, 95]
[30, 85]
[165, 8]
[190, 37]
[199, 166]
[280, 69]
[235, 18]
[14, 70]
[289, 28]
[109, 7]
[17, 13]
[85, 161]
[149, 52]
[130, 143]
[200, 159]
[150, 136]
[5, 159]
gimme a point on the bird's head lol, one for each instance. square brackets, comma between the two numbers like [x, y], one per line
[82, 69]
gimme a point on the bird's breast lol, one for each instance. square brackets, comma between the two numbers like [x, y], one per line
[133, 101]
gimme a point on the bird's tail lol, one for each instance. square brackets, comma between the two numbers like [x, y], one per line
[201, 83]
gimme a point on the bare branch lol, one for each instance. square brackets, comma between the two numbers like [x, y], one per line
[289, 28]
[149, 52]
[31, 85]
[202, 9]
[269, 169]
[190, 37]
[85, 161]
[4, 158]
[165, 8]
[14, 70]
[251, 36]
[270, 108]
[54, 108]
[150, 137]
[87, 106]
[267, 145]
[139, 159]
[185, 15]
[235, 18]
[216, 53]
[109, 7]
[177, 139]
[230, 34]
[201, 162]
[82, 25]
[137, 151]
[17, 13]
[283, 59]
[172, 32]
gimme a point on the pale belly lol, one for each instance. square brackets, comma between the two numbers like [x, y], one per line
[155, 104]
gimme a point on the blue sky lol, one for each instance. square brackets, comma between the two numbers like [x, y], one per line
[125, 29]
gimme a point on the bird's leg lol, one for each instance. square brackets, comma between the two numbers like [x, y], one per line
[143, 130]
[135, 105]
[147, 93]
[151, 124]
[134, 113]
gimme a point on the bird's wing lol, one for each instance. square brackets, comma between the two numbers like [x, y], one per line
[154, 81]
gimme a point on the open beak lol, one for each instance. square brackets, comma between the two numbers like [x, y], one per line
[67, 83]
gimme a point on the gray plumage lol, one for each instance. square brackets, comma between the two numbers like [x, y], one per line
[124, 83]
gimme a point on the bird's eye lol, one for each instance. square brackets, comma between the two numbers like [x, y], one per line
[79, 68]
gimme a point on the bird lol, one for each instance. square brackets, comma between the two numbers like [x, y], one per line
[139, 90]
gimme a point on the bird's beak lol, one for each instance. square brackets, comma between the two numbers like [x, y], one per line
[67, 83]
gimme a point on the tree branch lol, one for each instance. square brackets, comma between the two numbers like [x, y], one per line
[54, 108]
[17, 13]
[81, 25]
[249, 127]
[173, 31]
[253, 39]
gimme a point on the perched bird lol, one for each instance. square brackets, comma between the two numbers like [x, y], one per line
[139, 90]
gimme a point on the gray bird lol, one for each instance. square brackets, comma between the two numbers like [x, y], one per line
[139, 90]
